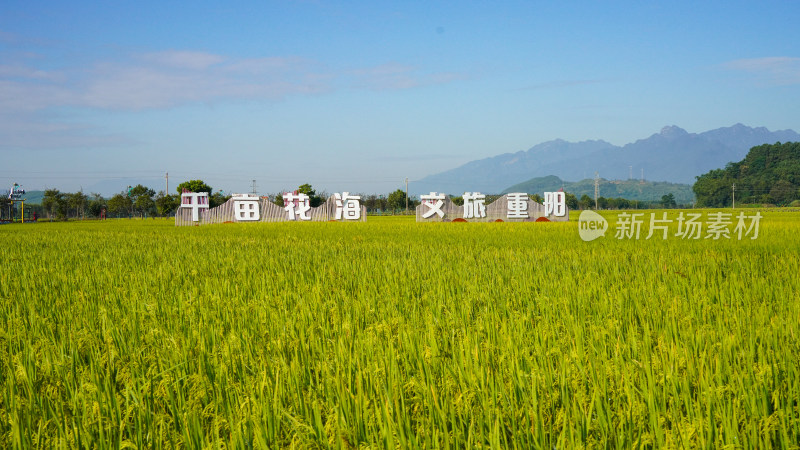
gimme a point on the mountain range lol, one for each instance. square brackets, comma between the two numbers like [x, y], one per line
[672, 155]
[628, 189]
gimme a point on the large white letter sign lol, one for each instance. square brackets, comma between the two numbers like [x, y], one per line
[517, 205]
[348, 206]
[474, 205]
[195, 201]
[246, 208]
[555, 203]
[434, 203]
[297, 205]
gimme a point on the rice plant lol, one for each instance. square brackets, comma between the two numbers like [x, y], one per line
[394, 334]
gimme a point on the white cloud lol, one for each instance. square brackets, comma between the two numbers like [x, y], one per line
[780, 70]
[21, 96]
[269, 65]
[31, 132]
[164, 80]
[158, 80]
[394, 76]
[22, 71]
[173, 78]
[183, 59]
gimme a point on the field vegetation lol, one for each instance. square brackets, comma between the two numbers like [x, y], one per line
[138, 334]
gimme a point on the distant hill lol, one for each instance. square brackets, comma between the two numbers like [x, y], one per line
[768, 174]
[628, 189]
[672, 155]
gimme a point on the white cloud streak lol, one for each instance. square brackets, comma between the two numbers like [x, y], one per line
[394, 76]
[776, 70]
[30, 132]
[183, 59]
[169, 79]
[174, 78]
[155, 81]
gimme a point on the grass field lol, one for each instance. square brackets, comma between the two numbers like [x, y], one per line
[389, 333]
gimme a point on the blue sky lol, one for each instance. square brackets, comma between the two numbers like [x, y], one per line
[359, 95]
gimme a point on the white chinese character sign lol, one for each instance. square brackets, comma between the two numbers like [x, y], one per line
[243, 208]
[194, 202]
[348, 206]
[474, 205]
[297, 206]
[512, 207]
[247, 208]
[431, 204]
[555, 203]
[517, 205]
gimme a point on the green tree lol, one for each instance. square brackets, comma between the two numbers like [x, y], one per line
[713, 189]
[217, 198]
[144, 205]
[4, 204]
[586, 202]
[313, 198]
[194, 186]
[373, 202]
[53, 202]
[768, 174]
[77, 201]
[142, 199]
[783, 192]
[397, 200]
[668, 201]
[120, 205]
[570, 200]
[96, 205]
[166, 204]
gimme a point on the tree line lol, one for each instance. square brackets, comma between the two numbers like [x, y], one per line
[141, 201]
[769, 174]
[137, 201]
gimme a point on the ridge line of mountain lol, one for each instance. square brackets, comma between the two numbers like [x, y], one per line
[672, 155]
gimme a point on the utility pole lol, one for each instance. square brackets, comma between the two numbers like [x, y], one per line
[254, 188]
[166, 177]
[406, 195]
[642, 174]
[733, 193]
[630, 172]
[596, 188]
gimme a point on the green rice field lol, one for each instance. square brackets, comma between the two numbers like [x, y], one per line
[393, 334]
